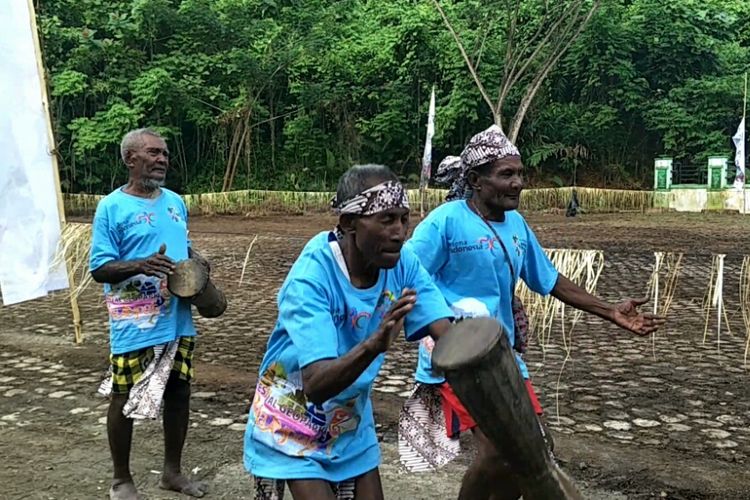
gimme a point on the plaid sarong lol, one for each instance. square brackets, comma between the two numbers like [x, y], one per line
[143, 375]
[128, 368]
[273, 489]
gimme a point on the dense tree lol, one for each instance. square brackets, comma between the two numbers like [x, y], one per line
[285, 94]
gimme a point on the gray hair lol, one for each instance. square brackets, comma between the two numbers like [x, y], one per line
[358, 178]
[132, 140]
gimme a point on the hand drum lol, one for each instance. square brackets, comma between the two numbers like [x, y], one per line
[188, 279]
[191, 280]
[480, 366]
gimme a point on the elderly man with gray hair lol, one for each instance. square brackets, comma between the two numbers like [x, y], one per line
[476, 247]
[139, 233]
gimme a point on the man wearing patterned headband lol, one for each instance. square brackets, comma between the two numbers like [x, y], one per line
[346, 297]
[476, 247]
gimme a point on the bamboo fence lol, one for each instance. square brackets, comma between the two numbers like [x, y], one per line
[256, 201]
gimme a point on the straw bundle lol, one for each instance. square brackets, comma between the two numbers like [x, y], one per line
[258, 201]
[592, 200]
[714, 299]
[73, 251]
[667, 263]
[582, 267]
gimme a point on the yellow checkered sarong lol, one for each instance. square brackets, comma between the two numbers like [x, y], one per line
[128, 368]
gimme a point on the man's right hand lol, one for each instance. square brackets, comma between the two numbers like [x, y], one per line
[158, 264]
[392, 322]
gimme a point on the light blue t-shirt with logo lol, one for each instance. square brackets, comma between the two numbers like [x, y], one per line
[323, 316]
[142, 312]
[469, 267]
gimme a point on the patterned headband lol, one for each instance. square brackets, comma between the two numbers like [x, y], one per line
[381, 197]
[485, 147]
[448, 169]
[488, 145]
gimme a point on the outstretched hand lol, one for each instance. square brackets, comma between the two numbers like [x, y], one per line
[627, 316]
[393, 321]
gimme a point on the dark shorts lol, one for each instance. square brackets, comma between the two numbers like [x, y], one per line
[128, 368]
[457, 418]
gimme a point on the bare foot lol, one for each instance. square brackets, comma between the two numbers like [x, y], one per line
[181, 484]
[124, 490]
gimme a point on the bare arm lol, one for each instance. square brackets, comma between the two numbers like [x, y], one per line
[625, 314]
[326, 378]
[439, 328]
[116, 271]
[573, 295]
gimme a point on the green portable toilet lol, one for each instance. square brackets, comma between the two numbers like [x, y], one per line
[662, 174]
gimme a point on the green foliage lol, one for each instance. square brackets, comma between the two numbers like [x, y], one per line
[68, 83]
[296, 91]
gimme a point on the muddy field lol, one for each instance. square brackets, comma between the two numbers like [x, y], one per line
[632, 419]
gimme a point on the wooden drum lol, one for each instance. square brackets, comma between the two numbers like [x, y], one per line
[191, 280]
[480, 366]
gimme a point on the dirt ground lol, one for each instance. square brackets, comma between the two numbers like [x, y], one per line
[632, 419]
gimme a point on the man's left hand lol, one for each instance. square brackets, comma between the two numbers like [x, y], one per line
[627, 316]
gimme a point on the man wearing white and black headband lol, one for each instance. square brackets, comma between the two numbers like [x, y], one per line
[476, 247]
[346, 297]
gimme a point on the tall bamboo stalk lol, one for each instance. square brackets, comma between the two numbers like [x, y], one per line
[77, 323]
[745, 302]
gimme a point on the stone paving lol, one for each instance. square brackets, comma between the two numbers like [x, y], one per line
[673, 393]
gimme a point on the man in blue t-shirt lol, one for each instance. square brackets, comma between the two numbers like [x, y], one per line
[139, 232]
[476, 247]
[346, 297]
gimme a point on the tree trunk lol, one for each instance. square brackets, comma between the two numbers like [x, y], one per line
[557, 52]
[272, 125]
[238, 146]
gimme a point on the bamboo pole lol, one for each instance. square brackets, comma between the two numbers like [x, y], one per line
[719, 299]
[744, 115]
[744, 101]
[77, 324]
[659, 258]
[745, 302]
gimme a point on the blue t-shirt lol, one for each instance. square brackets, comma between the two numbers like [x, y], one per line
[323, 316]
[470, 268]
[142, 312]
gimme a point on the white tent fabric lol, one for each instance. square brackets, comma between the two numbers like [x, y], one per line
[29, 217]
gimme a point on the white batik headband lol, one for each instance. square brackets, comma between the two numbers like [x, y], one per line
[486, 146]
[381, 197]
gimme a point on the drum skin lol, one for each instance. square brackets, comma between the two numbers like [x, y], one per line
[190, 280]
